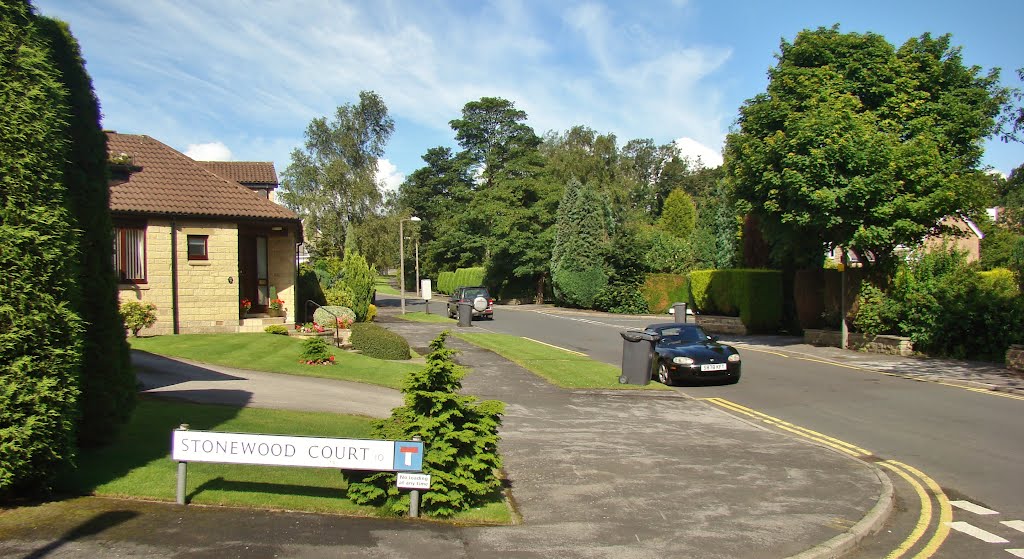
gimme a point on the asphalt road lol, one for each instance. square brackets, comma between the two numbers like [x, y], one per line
[968, 443]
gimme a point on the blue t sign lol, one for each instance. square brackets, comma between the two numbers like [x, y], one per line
[408, 456]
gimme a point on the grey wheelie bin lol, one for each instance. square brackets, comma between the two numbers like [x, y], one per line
[637, 356]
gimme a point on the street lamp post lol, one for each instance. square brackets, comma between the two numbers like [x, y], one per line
[401, 258]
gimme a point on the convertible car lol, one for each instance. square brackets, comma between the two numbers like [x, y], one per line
[686, 352]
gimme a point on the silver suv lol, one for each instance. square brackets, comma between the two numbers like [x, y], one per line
[479, 299]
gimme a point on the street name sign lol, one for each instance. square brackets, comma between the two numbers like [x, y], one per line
[284, 450]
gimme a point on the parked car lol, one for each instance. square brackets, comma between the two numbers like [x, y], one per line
[479, 299]
[686, 352]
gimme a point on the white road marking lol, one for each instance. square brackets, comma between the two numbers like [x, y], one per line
[1017, 525]
[976, 532]
[554, 346]
[971, 507]
[1016, 552]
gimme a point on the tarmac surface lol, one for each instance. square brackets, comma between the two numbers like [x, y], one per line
[602, 474]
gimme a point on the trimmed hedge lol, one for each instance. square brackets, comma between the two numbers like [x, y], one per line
[468, 277]
[661, 291]
[379, 343]
[41, 334]
[753, 295]
[446, 283]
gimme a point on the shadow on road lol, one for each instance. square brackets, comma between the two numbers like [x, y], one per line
[91, 527]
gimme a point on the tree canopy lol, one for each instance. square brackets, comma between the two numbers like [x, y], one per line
[332, 183]
[858, 144]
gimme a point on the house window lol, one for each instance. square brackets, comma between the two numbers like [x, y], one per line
[130, 254]
[197, 247]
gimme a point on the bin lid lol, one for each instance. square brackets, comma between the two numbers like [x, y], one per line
[639, 336]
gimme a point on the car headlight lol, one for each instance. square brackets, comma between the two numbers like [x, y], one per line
[734, 358]
[682, 360]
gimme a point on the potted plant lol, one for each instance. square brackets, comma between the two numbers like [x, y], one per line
[276, 307]
[343, 329]
[244, 305]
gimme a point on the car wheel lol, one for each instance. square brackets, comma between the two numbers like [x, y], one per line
[663, 376]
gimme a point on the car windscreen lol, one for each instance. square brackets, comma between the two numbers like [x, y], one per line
[682, 335]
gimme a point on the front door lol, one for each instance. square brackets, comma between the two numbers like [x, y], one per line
[253, 276]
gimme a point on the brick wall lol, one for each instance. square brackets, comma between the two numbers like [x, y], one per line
[1015, 358]
[890, 345]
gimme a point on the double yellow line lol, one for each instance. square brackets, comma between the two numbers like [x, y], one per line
[925, 487]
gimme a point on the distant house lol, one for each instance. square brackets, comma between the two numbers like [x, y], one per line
[967, 241]
[195, 242]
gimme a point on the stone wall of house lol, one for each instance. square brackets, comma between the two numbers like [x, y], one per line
[1015, 358]
[890, 345]
[722, 324]
[207, 298]
[281, 261]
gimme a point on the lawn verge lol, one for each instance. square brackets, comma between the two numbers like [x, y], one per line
[275, 354]
[424, 317]
[558, 366]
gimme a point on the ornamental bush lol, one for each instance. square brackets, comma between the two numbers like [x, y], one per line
[621, 299]
[359, 279]
[316, 351]
[138, 315]
[460, 437]
[379, 343]
[327, 316]
[278, 329]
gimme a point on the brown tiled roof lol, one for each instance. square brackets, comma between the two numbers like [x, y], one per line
[245, 172]
[172, 183]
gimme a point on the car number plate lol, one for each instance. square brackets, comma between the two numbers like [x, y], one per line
[714, 367]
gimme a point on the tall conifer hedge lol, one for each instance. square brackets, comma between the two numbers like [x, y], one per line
[40, 332]
[108, 383]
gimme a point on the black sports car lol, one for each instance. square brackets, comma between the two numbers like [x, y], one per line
[685, 351]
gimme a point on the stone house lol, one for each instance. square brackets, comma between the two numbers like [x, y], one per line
[195, 242]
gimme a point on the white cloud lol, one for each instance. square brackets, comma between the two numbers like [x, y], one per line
[213, 151]
[696, 151]
[388, 176]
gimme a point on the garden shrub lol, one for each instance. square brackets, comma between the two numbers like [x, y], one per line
[138, 315]
[41, 334]
[316, 351]
[661, 291]
[621, 299]
[379, 343]
[278, 329]
[460, 438]
[579, 288]
[1000, 281]
[309, 289]
[359, 279]
[371, 313]
[339, 296]
[941, 304]
[753, 295]
[327, 316]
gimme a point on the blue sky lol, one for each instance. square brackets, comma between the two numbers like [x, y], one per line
[240, 80]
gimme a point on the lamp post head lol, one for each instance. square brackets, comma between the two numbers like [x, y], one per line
[414, 218]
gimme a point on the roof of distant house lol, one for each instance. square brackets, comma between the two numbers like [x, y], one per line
[246, 172]
[171, 183]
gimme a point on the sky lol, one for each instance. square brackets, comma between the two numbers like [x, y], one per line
[240, 80]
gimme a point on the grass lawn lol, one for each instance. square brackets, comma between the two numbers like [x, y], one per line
[383, 286]
[138, 463]
[424, 317]
[558, 366]
[273, 353]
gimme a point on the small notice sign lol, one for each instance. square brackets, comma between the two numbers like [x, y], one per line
[413, 481]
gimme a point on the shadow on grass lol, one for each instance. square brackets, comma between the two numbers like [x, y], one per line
[95, 525]
[147, 437]
[221, 484]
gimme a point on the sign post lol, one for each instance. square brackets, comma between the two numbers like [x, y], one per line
[284, 450]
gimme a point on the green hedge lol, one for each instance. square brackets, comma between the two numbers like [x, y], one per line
[468, 277]
[446, 283]
[753, 295]
[661, 291]
[379, 343]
